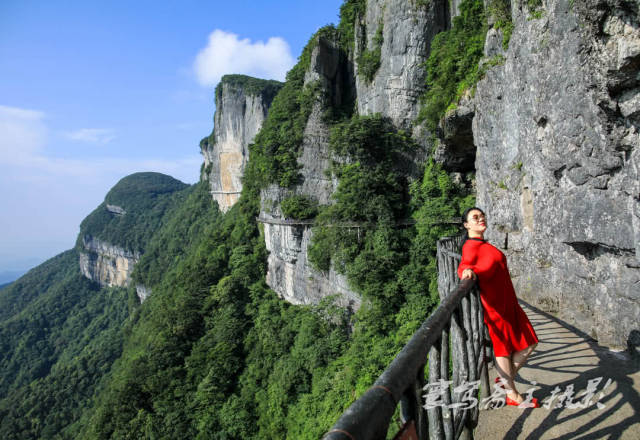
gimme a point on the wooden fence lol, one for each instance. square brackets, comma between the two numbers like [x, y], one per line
[454, 340]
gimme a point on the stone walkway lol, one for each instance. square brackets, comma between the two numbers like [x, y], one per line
[565, 357]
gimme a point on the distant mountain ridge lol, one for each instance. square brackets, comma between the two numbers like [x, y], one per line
[9, 276]
[114, 236]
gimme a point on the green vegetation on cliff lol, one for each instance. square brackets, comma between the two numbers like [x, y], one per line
[250, 86]
[452, 67]
[369, 59]
[373, 192]
[535, 9]
[299, 206]
[179, 232]
[275, 149]
[501, 12]
[350, 11]
[370, 190]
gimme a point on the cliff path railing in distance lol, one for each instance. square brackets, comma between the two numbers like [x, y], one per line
[454, 335]
[312, 222]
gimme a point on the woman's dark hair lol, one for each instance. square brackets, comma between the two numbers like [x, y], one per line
[464, 220]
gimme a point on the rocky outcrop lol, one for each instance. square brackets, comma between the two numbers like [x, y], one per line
[109, 265]
[557, 161]
[106, 264]
[289, 272]
[455, 148]
[143, 292]
[242, 104]
[115, 209]
[407, 30]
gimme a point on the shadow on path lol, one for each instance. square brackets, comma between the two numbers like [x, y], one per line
[566, 360]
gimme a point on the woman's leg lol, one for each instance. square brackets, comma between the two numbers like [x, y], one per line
[520, 357]
[508, 366]
[507, 371]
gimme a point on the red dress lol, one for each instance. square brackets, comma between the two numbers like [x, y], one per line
[508, 325]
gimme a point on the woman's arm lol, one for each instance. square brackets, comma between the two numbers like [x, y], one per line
[469, 259]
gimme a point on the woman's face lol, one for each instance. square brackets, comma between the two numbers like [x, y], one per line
[476, 221]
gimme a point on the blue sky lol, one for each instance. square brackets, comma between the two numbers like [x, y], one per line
[91, 91]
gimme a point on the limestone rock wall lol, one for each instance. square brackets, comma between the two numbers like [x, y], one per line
[109, 265]
[238, 118]
[557, 134]
[407, 30]
[289, 272]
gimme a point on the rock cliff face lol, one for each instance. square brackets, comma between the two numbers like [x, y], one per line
[394, 89]
[289, 272]
[407, 31]
[240, 113]
[106, 264]
[557, 134]
[109, 265]
[242, 104]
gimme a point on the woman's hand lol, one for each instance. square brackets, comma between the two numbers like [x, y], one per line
[468, 274]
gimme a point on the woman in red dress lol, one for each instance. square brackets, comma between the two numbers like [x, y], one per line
[511, 331]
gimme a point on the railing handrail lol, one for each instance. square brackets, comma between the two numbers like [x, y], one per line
[369, 416]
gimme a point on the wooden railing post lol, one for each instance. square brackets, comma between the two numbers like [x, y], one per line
[467, 342]
[436, 429]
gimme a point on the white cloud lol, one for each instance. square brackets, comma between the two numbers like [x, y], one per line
[22, 133]
[20, 113]
[23, 137]
[91, 135]
[226, 54]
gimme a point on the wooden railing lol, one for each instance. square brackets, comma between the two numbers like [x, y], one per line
[453, 335]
